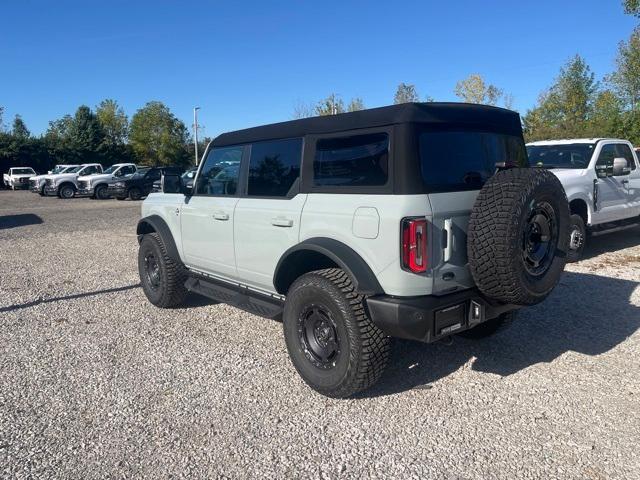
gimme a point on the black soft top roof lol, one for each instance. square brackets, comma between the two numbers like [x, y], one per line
[435, 113]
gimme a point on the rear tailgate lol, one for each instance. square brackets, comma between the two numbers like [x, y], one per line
[448, 240]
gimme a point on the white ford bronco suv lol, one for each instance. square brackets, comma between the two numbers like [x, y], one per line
[601, 177]
[415, 221]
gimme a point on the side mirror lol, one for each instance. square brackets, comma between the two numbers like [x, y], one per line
[620, 167]
[171, 183]
[602, 171]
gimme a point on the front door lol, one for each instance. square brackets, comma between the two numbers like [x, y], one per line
[208, 215]
[613, 198]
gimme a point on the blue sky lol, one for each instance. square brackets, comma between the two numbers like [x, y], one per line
[249, 63]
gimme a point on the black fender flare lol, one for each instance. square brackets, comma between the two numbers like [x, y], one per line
[364, 280]
[155, 223]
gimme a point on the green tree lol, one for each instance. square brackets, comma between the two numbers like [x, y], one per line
[1, 121]
[303, 110]
[565, 110]
[85, 134]
[632, 7]
[19, 129]
[626, 79]
[113, 121]
[331, 105]
[355, 104]
[474, 89]
[406, 93]
[158, 137]
[607, 118]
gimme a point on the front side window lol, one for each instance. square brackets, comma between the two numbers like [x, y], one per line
[220, 173]
[465, 160]
[360, 160]
[126, 170]
[623, 151]
[153, 174]
[90, 170]
[574, 155]
[274, 166]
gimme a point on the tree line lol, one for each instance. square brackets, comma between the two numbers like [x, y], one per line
[153, 136]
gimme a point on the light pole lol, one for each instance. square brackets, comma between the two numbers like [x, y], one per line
[195, 130]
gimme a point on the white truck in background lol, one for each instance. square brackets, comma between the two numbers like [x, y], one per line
[18, 177]
[65, 185]
[36, 184]
[601, 177]
[96, 186]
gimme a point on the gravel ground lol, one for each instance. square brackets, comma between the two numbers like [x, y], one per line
[95, 382]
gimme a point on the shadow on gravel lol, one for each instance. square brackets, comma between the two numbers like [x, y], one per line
[73, 296]
[611, 242]
[588, 314]
[21, 220]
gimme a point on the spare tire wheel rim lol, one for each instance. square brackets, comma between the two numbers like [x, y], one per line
[539, 239]
[152, 270]
[318, 336]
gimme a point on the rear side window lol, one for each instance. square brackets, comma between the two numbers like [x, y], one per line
[452, 161]
[274, 167]
[360, 160]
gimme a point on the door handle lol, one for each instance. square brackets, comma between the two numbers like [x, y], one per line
[221, 216]
[177, 211]
[624, 182]
[449, 230]
[281, 222]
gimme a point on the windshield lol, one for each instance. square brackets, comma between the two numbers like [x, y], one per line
[141, 172]
[112, 169]
[574, 155]
[21, 171]
[74, 169]
[465, 160]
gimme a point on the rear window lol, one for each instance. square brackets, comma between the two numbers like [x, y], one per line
[573, 155]
[465, 160]
[359, 160]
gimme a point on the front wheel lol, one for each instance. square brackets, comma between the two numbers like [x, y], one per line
[101, 192]
[135, 194]
[331, 341]
[66, 191]
[577, 238]
[161, 276]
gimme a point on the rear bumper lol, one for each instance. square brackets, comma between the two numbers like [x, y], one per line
[430, 318]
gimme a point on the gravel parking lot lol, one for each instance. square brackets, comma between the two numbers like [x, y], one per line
[95, 382]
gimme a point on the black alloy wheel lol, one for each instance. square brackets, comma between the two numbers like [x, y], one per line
[539, 239]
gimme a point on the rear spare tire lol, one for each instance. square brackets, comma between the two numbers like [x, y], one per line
[518, 236]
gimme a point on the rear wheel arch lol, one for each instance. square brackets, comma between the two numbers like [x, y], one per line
[320, 253]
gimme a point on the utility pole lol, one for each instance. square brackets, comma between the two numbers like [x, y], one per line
[195, 130]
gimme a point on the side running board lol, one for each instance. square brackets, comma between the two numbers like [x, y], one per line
[236, 295]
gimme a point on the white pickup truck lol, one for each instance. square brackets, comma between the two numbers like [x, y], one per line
[65, 185]
[36, 184]
[601, 177]
[18, 177]
[96, 185]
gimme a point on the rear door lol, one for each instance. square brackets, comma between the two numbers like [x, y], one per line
[208, 215]
[267, 218]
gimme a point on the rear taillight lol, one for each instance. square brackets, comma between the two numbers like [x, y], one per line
[414, 244]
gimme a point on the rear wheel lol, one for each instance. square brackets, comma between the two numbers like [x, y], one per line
[135, 193]
[577, 238]
[161, 276]
[332, 343]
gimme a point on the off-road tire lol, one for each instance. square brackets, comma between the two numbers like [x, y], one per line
[500, 228]
[100, 192]
[170, 290]
[135, 193]
[64, 189]
[363, 348]
[576, 223]
[490, 327]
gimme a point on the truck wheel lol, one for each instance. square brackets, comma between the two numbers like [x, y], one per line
[135, 194]
[577, 238]
[101, 193]
[332, 343]
[488, 328]
[162, 278]
[66, 191]
[518, 236]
